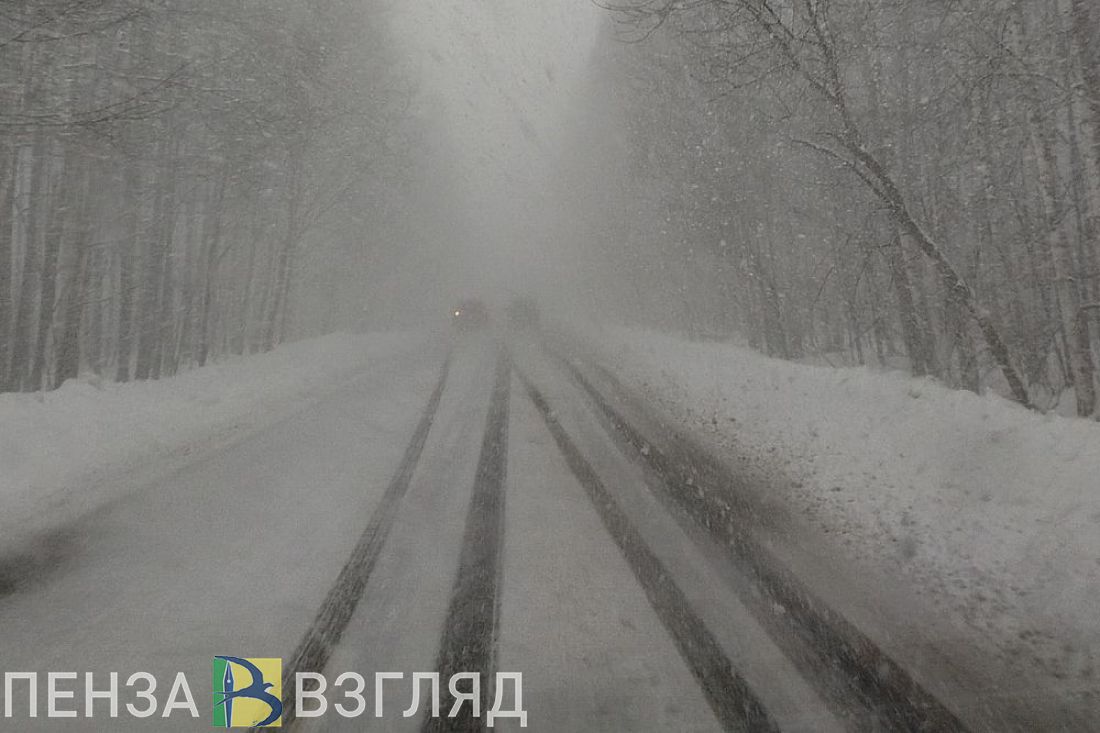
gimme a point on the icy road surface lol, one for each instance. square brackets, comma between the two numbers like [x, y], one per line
[472, 507]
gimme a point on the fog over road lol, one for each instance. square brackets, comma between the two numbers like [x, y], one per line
[498, 87]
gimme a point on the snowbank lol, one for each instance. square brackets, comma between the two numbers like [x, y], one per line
[59, 449]
[990, 512]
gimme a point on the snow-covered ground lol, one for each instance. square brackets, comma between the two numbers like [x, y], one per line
[987, 512]
[62, 451]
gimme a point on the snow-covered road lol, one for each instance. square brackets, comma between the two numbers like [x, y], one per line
[230, 555]
[463, 509]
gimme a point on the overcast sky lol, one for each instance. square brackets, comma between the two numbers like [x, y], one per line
[498, 78]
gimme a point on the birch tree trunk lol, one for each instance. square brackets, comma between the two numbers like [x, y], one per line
[7, 254]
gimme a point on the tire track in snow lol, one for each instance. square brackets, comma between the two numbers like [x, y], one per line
[694, 482]
[470, 629]
[735, 705]
[315, 648]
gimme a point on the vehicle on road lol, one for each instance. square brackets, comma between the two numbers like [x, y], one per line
[470, 315]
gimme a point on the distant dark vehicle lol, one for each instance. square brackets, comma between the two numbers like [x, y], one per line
[523, 314]
[470, 315]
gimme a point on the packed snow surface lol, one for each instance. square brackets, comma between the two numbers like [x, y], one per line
[989, 512]
[62, 451]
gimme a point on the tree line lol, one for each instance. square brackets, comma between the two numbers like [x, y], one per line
[163, 165]
[865, 180]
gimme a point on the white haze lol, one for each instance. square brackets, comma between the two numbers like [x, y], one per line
[496, 81]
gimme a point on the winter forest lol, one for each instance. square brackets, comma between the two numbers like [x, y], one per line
[168, 171]
[855, 181]
[867, 180]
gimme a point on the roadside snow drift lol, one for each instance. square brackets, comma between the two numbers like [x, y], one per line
[988, 511]
[60, 451]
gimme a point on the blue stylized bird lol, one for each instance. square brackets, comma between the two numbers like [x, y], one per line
[256, 690]
[227, 687]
